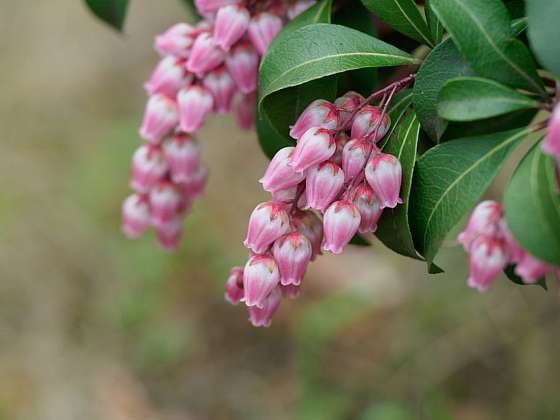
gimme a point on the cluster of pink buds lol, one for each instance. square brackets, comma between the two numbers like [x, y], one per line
[333, 184]
[551, 143]
[210, 67]
[492, 248]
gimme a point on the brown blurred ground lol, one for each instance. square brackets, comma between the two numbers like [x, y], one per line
[95, 327]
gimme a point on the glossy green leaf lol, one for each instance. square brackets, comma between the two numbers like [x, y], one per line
[544, 32]
[449, 180]
[112, 12]
[481, 30]
[393, 228]
[474, 98]
[532, 206]
[518, 26]
[396, 111]
[435, 26]
[403, 16]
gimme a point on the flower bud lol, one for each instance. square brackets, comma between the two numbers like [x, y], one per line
[208, 6]
[205, 55]
[168, 77]
[488, 258]
[285, 196]
[194, 186]
[384, 175]
[298, 7]
[322, 185]
[311, 226]
[148, 168]
[263, 28]
[268, 222]
[260, 277]
[340, 223]
[292, 253]
[135, 215]
[182, 154]
[347, 104]
[318, 114]
[242, 63]
[484, 220]
[280, 175]
[245, 111]
[231, 24]
[263, 317]
[531, 270]
[169, 234]
[368, 121]
[290, 291]
[164, 201]
[195, 104]
[176, 41]
[367, 204]
[315, 146]
[160, 116]
[551, 143]
[222, 87]
[234, 286]
[354, 157]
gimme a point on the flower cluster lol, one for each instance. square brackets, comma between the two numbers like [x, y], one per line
[492, 248]
[551, 143]
[334, 183]
[210, 67]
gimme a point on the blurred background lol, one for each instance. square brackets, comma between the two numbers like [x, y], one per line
[93, 326]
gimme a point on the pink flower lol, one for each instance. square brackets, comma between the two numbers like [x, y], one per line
[280, 175]
[169, 234]
[263, 28]
[323, 185]
[298, 7]
[340, 223]
[242, 63]
[160, 117]
[290, 291]
[292, 253]
[340, 139]
[231, 23]
[205, 55]
[488, 258]
[311, 226]
[367, 204]
[514, 250]
[222, 87]
[347, 104]
[262, 317]
[168, 77]
[268, 222]
[315, 146]
[551, 143]
[484, 220]
[164, 202]
[384, 175]
[234, 286]
[206, 6]
[318, 114]
[182, 154]
[176, 41]
[148, 168]
[285, 196]
[245, 111]
[195, 104]
[194, 186]
[354, 157]
[135, 215]
[260, 277]
[368, 121]
[531, 270]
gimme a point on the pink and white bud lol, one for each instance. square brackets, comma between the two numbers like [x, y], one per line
[354, 157]
[311, 226]
[551, 143]
[367, 204]
[290, 291]
[169, 234]
[531, 270]
[323, 184]
[242, 63]
[260, 277]
[315, 146]
[285, 196]
[488, 258]
[182, 154]
[208, 6]
[268, 222]
[340, 139]
[176, 41]
[169, 76]
[195, 104]
[340, 223]
[484, 220]
[231, 24]
[205, 55]
[135, 215]
[298, 7]
[164, 202]
[160, 117]
[194, 187]
[222, 87]
[347, 104]
[384, 176]
[234, 286]
[318, 114]
[262, 317]
[245, 111]
[368, 121]
[292, 253]
[148, 168]
[280, 175]
[263, 28]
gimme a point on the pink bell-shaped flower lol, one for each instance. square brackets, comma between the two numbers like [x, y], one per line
[234, 286]
[311, 226]
[205, 55]
[242, 63]
[292, 253]
[222, 87]
[148, 168]
[488, 258]
[194, 186]
[485, 220]
[315, 146]
[347, 104]
[135, 215]
[268, 222]
[368, 121]
[208, 6]
[318, 114]
[323, 185]
[384, 175]
[176, 41]
[551, 143]
[182, 154]
[280, 175]
[262, 317]
[168, 77]
[169, 234]
[160, 117]
[231, 24]
[260, 277]
[195, 104]
[354, 157]
[263, 28]
[340, 223]
[245, 111]
[164, 202]
[290, 291]
[531, 270]
[367, 204]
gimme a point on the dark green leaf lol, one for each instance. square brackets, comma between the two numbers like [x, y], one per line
[393, 227]
[359, 241]
[436, 28]
[449, 179]
[544, 32]
[518, 26]
[404, 16]
[112, 12]
[510, 274]
[481, 31]
[474, 98]
[399, 105]
[532, 206]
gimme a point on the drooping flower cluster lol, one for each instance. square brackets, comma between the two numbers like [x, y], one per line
[210, 67]
[334, 183]
[551, 143]
[492, 248]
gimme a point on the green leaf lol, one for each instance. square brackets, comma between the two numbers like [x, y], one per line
[474, 98]
[481, 31]
[436, 28]
[518, 26]
[544, 32]
[112, 12]
[532, 206]
[404, 16]
[400, 103]
[442, 64]
[449, 179]
[359, 241]
[510, 274]
[393, 228]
